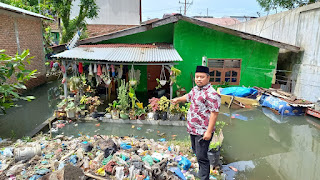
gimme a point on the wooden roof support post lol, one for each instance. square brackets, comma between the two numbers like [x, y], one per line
[65, 87]
[168, 67]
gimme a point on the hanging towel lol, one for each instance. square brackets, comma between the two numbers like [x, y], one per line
[95, 68]
[99, 73]
[80, 68]
[90, 70]
[113, 71]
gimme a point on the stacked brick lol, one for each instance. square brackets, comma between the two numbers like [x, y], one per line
[29, 31]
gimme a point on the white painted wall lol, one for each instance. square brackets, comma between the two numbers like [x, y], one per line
[117, 12]
[300, 27]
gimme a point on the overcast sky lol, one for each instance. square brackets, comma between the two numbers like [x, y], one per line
[217, 8]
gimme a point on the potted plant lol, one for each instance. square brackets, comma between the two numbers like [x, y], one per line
[108, 111]
[140, 113]
[123, 98]
[106, 79]
[180, 91]
[174, 73]
[71, 109]
[160, 83]
[133, 82]
[115, 111]
[153, 108]
[163, 107]
[83, 105]
[93, 103]
[215, 145]
[124, 115]
[184, 111]
[175, 112]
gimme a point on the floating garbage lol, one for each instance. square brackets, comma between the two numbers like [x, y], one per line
[95, 157]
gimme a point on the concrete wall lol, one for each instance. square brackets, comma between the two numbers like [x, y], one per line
[21, 32]
[117, 12]
[300, 27]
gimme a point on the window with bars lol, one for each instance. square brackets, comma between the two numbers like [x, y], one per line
[224, 70]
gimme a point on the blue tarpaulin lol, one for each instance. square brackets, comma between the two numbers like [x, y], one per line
[281, 106]
[239, 91]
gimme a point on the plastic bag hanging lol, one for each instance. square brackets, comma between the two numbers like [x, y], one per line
[90, 70]
[113, 72]
[95, 68]
[104, 69]
[74, 69]
[99, 71]
[163, 78]
[80, 68]
[120, 71]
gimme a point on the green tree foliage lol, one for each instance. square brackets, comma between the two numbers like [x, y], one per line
[268, 5]
[62, 9]
[13, 67]
[88, 9]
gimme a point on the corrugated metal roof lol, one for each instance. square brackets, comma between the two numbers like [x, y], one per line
[158, 45]
[121, 54]
[22, 11]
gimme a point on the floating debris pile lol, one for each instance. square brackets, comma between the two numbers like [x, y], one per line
[98, 157]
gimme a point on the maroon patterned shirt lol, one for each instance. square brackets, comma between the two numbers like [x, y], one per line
[203, 101]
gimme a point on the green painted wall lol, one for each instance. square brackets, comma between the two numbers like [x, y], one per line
[142, 86]
[162, 34]
[193, 42]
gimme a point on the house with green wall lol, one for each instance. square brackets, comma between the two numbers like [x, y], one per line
[233, 57]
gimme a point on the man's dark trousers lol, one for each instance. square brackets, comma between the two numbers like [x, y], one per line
[200, 148]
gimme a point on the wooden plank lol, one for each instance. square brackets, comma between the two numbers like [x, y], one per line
[40, 127]
[313, 113]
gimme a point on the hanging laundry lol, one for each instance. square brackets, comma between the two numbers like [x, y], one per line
[113, 71]
[104, 69]
[99, 73]
[90, 70]
[51, 64]
[95, 68]
[120, 71]
[80, 68]
[63, 69]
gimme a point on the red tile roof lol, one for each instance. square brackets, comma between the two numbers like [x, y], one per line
[101, 29]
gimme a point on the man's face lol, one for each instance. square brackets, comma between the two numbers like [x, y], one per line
[201, 79]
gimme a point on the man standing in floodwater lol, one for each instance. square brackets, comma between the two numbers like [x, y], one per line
[202, 117]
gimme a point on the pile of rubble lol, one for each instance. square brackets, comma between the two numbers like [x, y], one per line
[98, 157]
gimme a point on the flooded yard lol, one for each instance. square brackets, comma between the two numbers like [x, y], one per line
[258, 143]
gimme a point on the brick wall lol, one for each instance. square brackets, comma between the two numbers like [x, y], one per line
[30, 37]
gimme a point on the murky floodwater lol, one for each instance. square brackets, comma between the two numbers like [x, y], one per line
[265, 146]
[258, 143]
[21, 120]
